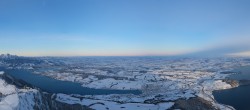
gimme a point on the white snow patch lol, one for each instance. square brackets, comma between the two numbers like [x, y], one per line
[103, 105]
[1, 72]
[111, 83]
[10, 102]
[16, 99]
[6, 89]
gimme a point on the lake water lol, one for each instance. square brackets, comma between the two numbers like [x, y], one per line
[236, 97]
[56, 86]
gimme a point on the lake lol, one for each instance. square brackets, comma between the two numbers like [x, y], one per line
[56, 86]
[236, 97]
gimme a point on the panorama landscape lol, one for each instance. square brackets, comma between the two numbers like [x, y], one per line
[124, 55]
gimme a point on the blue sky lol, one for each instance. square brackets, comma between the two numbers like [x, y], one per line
[122, 27]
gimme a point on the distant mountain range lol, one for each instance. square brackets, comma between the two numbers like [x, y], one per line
[8, 56]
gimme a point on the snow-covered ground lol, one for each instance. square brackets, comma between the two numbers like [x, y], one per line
[12, 98]
[110, 105]
[161, 80]
[111, 83]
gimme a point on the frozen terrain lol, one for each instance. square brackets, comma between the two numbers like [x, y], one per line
[163, 81]
[110, 105]
[13, 98]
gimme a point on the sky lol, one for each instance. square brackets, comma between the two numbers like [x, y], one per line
[124, 27]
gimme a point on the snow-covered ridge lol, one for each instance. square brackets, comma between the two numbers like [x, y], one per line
[13, 98]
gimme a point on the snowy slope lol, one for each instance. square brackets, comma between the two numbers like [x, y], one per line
[12, 98]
